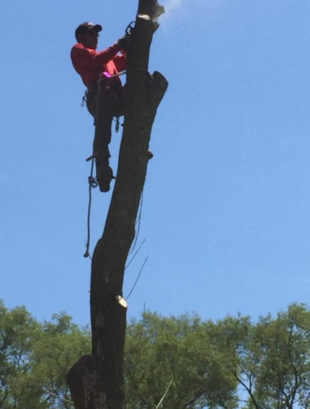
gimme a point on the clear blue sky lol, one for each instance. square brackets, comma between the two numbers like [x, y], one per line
[226, 214]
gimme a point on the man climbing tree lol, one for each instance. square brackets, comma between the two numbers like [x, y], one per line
[104, 99]
[96, 381]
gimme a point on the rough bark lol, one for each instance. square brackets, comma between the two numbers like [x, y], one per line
[97, 381]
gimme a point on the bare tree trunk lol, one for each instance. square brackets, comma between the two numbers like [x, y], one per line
[97, 381]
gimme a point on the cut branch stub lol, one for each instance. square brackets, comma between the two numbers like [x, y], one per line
[151, 8]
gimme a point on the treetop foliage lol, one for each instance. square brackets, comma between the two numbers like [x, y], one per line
[231, 363]
[35, 357]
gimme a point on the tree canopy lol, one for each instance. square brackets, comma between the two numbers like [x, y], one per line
[231, 363]
[35, 357]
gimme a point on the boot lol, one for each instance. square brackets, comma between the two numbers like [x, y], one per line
[104, 172]
[104, 177]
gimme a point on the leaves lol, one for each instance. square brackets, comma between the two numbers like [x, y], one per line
[231, 363]
[162, 349]
[34, 359]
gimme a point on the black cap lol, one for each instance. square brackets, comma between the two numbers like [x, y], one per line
[82, 28]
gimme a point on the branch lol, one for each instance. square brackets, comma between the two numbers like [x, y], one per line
[137, 278]
[62, 400]
[248, 389]
[164, 395]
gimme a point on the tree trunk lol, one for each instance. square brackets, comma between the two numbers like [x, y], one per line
[97, 381]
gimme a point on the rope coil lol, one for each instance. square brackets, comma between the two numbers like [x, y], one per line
[92, 181]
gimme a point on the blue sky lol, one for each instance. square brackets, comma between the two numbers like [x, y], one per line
[226, 215]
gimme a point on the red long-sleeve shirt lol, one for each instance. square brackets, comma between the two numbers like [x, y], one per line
[90, 63]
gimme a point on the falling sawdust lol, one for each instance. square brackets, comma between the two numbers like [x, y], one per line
[174, 6]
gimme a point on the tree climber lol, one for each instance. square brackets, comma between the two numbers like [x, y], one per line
[99, 72]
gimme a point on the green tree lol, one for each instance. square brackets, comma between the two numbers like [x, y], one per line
[34, 359]
[283, 369]
[59, 344]
[231, 338]
[17, 332]
[176, 351]
[192, 363]
[270, 360]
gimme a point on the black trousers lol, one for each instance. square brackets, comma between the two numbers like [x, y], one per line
[103, 130]
[103, 109]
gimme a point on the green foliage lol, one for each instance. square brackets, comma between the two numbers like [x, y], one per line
[34, 359]
[17, 330]
[194, 364]
[283, 369]
[269, 360]
[160, 350]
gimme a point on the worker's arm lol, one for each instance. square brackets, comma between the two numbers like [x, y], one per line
[93, 59]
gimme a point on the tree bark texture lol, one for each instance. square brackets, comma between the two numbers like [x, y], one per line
[97, 381]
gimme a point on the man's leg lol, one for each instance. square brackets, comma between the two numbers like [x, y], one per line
[102, 139]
